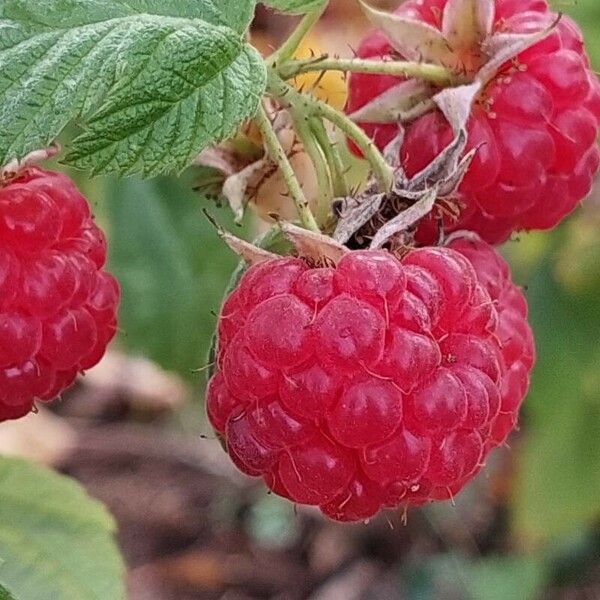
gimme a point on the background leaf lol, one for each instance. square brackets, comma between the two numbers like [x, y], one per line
[155, 88]
[455, 575]
[500, 578]
[172, 269]
[558, 482]
[294, 7]
[56, 543]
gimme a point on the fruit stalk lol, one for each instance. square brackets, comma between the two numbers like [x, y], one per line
[278, 155]
[333, 157]
[317, 157]
[436, 74]
[291, 98]
[289, 47]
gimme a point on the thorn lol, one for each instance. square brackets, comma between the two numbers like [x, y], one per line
[204, 368]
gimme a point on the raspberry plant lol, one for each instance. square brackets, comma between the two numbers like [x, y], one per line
[379, 358]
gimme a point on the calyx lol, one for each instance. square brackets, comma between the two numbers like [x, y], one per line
[469, 43]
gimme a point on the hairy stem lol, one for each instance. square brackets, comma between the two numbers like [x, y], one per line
[436, 74]
[277, 153]
[333, 157]
[289, 47]
[290, 97]
[317, 157]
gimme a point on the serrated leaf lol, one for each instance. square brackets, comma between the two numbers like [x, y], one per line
[53, 14]
[193, 95]
[295, 7]
[56, 543]
[155, 88]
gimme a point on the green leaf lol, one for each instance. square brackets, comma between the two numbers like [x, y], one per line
[56, 543]
[295, 7]
[5, 594]
[53, 14]
[153, 83]
[558, 483]
[490, 578]
[499, 578]
[173, 269]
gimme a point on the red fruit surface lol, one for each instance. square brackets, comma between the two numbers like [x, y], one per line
[373, 383]
[57, 305]
[535, 125]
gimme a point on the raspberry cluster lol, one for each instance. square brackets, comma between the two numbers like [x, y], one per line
[57, 304]
[535, 125]
[374, 383]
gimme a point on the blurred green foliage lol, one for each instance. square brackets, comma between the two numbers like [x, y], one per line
[171, 265]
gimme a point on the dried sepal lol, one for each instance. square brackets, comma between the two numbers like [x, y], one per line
[14, 167]
[406, 219]
[235, 187]
[223, 158]
[391, 153]
[414, 40]
[243, 163]
[403, 102]
[456, 104]
[252, 254]
[502, 47]
[466, 23]
[355, 212]
[316, 247]
[385, 218]
[452, 182]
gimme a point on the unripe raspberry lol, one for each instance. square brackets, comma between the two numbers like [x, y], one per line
[535, 125]
[57, 305]
[374, 383]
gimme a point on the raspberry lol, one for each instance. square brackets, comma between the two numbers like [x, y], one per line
[374, 383]
[535, 126]
[57, 304]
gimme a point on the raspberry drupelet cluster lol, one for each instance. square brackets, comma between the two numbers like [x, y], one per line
[374, 383]
[535, 124]
[57, 304]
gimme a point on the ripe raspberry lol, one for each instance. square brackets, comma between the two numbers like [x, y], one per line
[57, 305]
[374, 383]
[535, 125]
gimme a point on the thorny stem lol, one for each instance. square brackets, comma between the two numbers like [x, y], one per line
[435, 74]
[278, 155]
[317, 157]
[290, 97]
[333, 157]
[289, 47]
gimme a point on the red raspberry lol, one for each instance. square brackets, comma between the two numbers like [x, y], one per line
[535, 125]
[374, 383]
[57, 305]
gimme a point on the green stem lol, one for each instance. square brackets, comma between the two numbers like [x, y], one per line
[382, 170]
[436, 74]
[317, 157]
[287, 95]
[333, 157]
[289, 47]
[278, 155]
